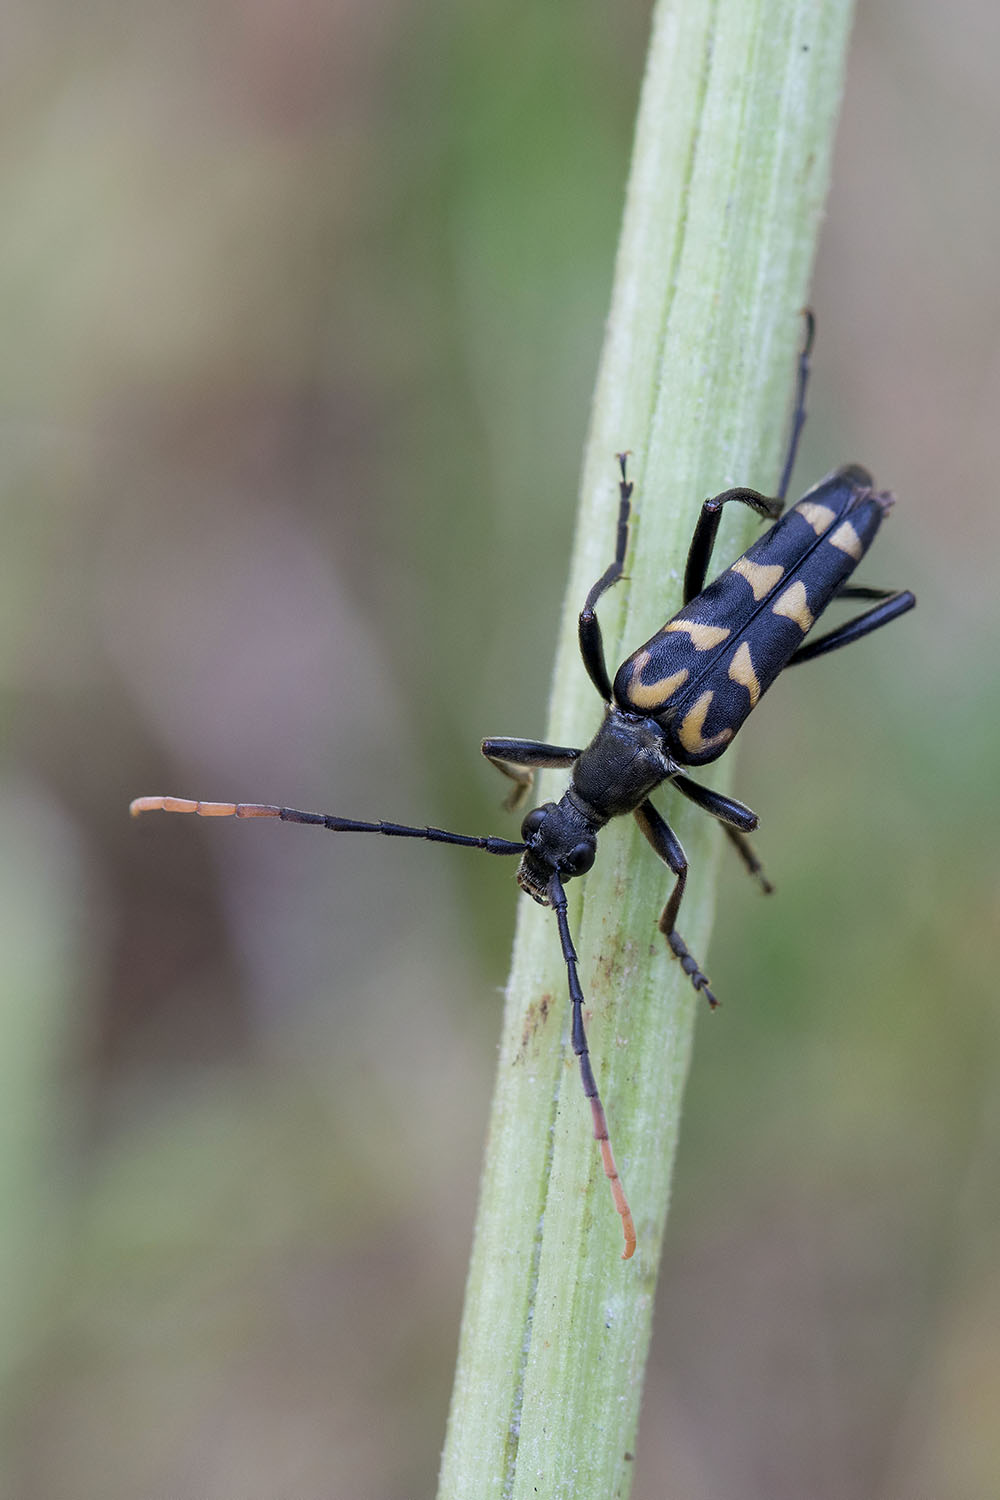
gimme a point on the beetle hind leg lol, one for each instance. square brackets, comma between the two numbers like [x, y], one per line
[706, 530]
[799, 413]
[588, 625]
[893, 604]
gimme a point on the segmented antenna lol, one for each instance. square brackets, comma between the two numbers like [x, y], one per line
[319, 820]
[557, 898]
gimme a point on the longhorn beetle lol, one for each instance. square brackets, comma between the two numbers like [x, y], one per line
[676, 702]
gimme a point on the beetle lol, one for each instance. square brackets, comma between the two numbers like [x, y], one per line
[676, 703]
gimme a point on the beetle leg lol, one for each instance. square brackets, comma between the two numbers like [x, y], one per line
[891, 607]
[726, 809]
[588, 626]
[518, 760]
[668, 847]
[748, 855]
[705, 532]
[700, 553]
[736, 819]
[799, 414]
[861, 591]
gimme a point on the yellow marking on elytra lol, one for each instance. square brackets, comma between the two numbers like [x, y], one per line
[846, 538]
[703, 637]
[820, 517]
[652, 694]
[741, 670]
[692, 724]
[794, 605]
[762, 577]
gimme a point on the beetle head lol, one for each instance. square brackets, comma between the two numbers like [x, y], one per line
[559, 841]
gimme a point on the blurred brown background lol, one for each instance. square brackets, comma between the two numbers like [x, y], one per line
[301, 307]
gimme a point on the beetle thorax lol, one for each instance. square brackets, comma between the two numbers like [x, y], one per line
[624, 762]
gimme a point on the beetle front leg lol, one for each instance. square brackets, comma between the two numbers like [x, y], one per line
[519, 759]
[668, 847]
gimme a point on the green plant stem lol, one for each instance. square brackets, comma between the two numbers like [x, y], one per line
[727, 183]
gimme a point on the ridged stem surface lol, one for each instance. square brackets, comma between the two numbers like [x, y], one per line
[724, 200]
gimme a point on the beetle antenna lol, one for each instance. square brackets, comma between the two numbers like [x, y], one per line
[322, 820]
[557, 899]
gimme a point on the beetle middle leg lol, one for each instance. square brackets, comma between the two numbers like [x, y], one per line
[736, 818]
[668, 847]
[748, 855]
[519, 759]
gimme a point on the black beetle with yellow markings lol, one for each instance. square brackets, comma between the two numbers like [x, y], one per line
[677, 702]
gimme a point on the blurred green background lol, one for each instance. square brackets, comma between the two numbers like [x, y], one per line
[301, 307]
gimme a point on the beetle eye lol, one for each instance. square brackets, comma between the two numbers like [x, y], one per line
[534, 821]
[579, 859]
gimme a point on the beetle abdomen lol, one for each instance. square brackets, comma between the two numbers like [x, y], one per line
[705, 670]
